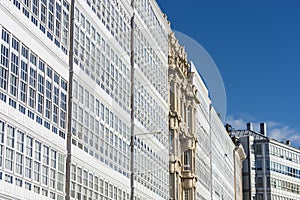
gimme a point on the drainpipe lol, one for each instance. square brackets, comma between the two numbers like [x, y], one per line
[70, 95]
[132, 76]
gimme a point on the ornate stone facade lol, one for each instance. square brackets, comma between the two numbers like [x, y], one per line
[204, 161]
[182, 123]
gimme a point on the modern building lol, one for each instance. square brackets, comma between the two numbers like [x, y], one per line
[65, 88]
[203, 148]
[226, 158]
[271, 170]
[109, 43]
[217, 160]
[34, 79]
[99, 101]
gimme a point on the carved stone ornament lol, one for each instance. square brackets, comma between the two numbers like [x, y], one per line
[177, 55]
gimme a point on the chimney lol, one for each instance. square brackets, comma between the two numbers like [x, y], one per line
[263, 129]
[249, 127]
[288, 142]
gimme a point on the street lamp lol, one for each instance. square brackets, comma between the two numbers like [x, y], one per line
[150, 133]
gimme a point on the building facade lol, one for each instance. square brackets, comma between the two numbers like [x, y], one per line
[34, 94]
[203, 148]
[65, 99]
[106, 38]
[271, 170]
[205, 163]
[81, 82]
[218, 156]
[182, 122]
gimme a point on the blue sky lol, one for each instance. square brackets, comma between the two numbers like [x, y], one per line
[256, 46]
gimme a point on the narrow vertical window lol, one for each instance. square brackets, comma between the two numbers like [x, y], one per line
[187, 160]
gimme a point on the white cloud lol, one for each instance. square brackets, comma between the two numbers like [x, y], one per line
[272, 124]
[282, 133]
[275, 130]
[240, 122]
[236, 123]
